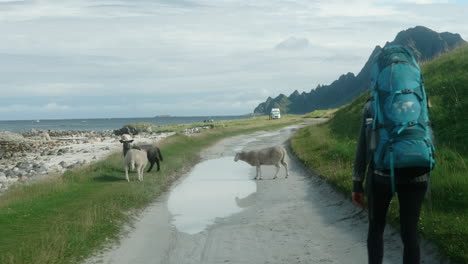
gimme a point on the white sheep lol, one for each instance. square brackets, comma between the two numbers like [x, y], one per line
[152, 152]
[135, 159]
[267, 156]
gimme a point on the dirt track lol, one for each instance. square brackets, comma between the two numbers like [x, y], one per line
[218, 214]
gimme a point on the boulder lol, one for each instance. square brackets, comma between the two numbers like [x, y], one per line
[131, 130]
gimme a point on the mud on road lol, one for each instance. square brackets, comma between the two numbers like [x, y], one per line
[217, 213]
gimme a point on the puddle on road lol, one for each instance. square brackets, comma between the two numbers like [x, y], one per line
[210, 192]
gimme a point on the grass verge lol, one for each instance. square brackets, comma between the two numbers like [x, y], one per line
[444, 218]
[321, 113]
[64, 220]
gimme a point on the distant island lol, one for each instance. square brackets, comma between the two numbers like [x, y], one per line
[164, 116]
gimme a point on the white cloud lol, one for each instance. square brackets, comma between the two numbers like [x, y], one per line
[177, 49]
[293, 43]
[55, 107]
[423, 2]
[55, 89]
[50, 107]
[355, 8]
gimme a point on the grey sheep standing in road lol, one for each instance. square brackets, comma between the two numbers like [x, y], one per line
[267, 156]
[135, 159]
[153, 153]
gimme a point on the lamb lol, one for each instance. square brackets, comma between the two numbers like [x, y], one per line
[266, 156]
[135, 159]
[153, 153]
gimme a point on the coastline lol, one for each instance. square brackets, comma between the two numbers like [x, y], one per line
[37, 155]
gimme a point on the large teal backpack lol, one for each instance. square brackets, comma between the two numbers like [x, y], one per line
[401, 119]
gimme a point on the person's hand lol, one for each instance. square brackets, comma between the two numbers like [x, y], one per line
[358, 199]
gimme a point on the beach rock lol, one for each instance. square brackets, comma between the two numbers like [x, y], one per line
[41, 170]
[94, 140]
[24, 165]
[63, 164]
[45, 136]
[72, 166]
[131, 130]
[11, 137]
[12, 180]
[3, 177]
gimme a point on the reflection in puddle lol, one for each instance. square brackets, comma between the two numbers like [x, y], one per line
[209, 192]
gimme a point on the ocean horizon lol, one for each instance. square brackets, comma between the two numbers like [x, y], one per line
[100, 124]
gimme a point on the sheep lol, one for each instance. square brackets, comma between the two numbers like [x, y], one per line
[135, 159]
[266, 156]
[153, 153]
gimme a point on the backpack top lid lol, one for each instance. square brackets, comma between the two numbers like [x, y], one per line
[395, 54]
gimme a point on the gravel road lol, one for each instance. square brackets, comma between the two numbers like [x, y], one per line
[218, 214]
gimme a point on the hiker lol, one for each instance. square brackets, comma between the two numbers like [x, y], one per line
[395, 147]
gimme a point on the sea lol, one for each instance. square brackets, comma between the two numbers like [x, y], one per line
[100, 124]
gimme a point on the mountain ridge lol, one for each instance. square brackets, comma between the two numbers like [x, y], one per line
[425, 43]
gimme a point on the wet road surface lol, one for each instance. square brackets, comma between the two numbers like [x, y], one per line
[217, 213]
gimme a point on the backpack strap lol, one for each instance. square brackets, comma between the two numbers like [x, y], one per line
[392, 168]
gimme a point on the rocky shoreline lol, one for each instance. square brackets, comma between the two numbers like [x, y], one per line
[38, 154]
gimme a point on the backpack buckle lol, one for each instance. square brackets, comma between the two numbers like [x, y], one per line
[406, 91]
[411, 123]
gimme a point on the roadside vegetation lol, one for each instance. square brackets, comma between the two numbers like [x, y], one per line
[66, 218]
[178, 128]
[329, 113]
[330, 149]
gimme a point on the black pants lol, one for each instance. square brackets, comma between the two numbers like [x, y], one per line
[410, 197]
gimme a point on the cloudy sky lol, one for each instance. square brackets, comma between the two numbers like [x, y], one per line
[140, 58]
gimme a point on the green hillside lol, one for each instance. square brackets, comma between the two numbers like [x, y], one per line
[330, 148]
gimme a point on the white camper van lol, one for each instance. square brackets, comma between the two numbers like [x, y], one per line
[275, 113]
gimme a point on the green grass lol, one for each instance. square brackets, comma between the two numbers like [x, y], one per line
[64, 220]
[321, 113]
[330, 149]
[149, 127]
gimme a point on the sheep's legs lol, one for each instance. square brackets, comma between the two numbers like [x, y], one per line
[285, 167]
[140, 172]
[151, 167]
[126, 173]
[259, 173]
[152, 164]
[277, 170]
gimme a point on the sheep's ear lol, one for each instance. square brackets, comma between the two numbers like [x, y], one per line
[121, 141]
[130, 141]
